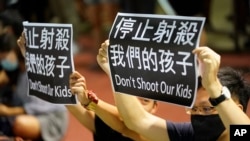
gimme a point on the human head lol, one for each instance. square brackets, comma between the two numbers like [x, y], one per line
[148, 104]
[204, 117]
[9, 60]
[11, 22]
[7, 43]
[234, 80]
[237, 85]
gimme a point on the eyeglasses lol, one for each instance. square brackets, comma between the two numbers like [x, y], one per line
[204, 110]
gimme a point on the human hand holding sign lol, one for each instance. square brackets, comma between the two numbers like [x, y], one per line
[78, 86]
[21, 43]
[209, 63]
[102, 57]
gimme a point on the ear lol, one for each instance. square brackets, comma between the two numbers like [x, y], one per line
[240, 106]
[237, 103]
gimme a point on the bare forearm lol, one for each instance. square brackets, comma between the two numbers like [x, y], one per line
[12, 111]
[109, 114]
[86, 118]
[139, 120]
[228, 110]
[230, 113]
[132, 112]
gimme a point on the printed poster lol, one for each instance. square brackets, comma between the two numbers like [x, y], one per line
[151, 56]
[49, 61]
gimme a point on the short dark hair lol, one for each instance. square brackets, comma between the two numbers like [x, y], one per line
[235, 81]
[13, 19]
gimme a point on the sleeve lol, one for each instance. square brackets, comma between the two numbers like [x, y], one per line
[105, 133]
[36, 106]
[180, 131]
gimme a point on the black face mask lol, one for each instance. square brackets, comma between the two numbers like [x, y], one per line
[207, 127]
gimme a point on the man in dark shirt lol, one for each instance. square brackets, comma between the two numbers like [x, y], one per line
[104, 132]
[221, 100]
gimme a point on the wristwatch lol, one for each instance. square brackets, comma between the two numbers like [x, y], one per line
[225, 94]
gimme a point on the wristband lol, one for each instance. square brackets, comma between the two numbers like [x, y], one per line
[93, 101]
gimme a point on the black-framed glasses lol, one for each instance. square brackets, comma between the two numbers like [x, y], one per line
[205, 110]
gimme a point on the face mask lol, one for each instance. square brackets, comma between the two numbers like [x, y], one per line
[207, 128]
[8, 65]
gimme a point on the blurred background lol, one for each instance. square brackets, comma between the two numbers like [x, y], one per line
[227, 31]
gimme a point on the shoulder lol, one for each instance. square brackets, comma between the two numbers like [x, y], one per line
[104, 132]
[180, 130]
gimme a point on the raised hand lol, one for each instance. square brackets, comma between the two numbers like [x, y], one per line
[21, 43]
[78, 87]
[102, 57]
[209, 63]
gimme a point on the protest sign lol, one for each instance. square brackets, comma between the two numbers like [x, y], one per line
[49, 61]
[151, 56]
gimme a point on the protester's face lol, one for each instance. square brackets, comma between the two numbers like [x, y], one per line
[8, 62]
[148, 104]
[3, 55]
[202, 106]
[205, 120]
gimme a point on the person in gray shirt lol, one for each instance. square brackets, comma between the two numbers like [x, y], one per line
[23, 115]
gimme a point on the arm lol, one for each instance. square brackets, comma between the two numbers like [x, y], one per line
[139, 120]
[210, 63]
[107, 112]
[132, 112]
[11, 111]
[86, 118]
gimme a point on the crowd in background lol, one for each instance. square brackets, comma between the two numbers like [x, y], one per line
[95, 18]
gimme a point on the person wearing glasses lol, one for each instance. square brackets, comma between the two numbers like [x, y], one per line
[221, 100]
